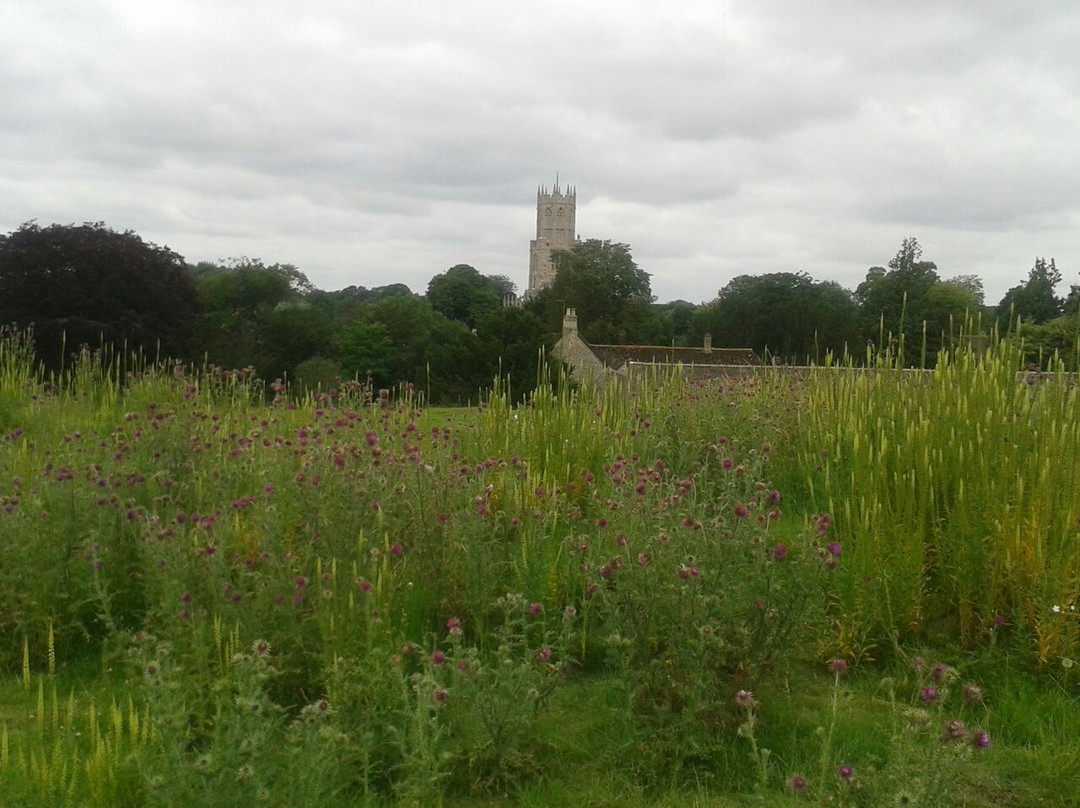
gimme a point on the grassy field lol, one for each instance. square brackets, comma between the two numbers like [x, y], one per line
[846, 589]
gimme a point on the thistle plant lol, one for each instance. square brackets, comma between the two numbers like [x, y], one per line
[935, 726]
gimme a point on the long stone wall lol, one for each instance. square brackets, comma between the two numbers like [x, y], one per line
[639, 369]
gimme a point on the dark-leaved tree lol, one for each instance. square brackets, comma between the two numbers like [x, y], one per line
[88, 284]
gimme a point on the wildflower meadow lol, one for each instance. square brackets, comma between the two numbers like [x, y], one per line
[840, 587]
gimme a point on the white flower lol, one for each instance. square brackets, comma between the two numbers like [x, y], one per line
[1056, 609]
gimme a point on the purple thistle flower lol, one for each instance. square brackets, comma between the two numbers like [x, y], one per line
[838, 666]
[929, 694]
[397, 549]
[438, 658]
[797, 783]
[845, 772]
[741, 511]
[536, 608]
[779, 552]
[744, 698]
[834, 548]
[981, 740]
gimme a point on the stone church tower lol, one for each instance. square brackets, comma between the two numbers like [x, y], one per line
[556, 215]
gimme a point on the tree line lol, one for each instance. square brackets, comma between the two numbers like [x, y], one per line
[91, 285]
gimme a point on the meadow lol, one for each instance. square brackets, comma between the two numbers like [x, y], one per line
[841, 588]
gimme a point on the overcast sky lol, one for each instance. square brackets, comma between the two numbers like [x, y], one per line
[371, 143]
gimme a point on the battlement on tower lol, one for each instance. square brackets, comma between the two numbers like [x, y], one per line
[556, 191]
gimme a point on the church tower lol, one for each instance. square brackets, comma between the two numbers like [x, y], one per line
[556, 216]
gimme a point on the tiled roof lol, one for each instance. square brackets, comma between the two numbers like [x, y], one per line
[617, 356]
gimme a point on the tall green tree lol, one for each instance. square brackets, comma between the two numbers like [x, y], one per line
[973, 284]
[674, 321]
[261, 316]
[440, 356]
[1035, 300]
[248, 285]
[87, 284]
[611, 294]
[366, 352]
[892, 303]
[785, 315]
[463, 294]
[512, 340]
[950, 308]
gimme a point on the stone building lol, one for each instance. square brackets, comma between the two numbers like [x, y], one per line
[556, 221]
[598, 363]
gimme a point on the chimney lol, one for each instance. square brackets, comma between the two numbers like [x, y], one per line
[569, 323]
[708, 343]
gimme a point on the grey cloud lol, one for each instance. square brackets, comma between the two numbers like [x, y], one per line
[370, 143]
